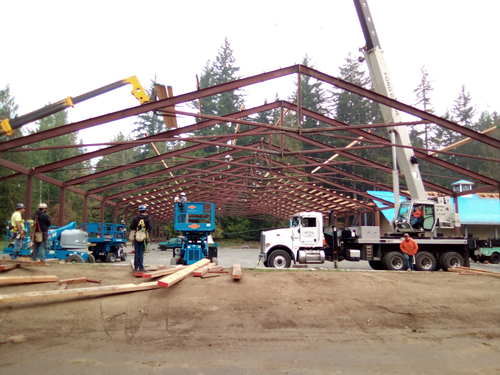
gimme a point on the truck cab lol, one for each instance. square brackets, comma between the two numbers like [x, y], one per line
[302, 242]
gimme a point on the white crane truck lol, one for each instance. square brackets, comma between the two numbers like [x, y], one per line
[309, 241]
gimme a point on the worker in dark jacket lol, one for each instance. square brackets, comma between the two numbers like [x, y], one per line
[141, 222]
[42, 224]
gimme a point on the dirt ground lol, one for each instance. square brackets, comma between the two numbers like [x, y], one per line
[270, 322]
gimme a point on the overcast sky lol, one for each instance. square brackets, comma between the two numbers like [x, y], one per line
[54, 49]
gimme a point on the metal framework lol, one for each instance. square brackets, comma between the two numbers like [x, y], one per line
[242, 178]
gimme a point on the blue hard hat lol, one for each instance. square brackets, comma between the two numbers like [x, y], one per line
[142, 208]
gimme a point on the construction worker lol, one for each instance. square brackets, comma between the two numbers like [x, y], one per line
[42, 224]
[416, 217]
[182, 208]
[17, 229]
[409, 249]
[141, 224]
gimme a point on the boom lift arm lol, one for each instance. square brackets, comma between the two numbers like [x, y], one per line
[8, 126]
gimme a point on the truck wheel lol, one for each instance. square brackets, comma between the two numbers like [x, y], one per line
[451, 260]
[75, 258]
[394, 261]
[123, 256]
[280, 259]
[376, 264]
[111, 258]
[173, 261]
[495, 258]
[91, 259]
[214, 260]
[425, 261]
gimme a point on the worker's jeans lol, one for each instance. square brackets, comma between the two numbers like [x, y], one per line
[408, 261]
[39, 249]
[17, 248]
[139, 255]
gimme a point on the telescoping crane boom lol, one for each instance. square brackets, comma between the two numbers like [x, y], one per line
[435, 213]
[8, 126]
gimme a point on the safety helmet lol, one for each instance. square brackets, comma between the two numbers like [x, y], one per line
[183, 193]
[20, 205]
[142, 208]
[42, 205]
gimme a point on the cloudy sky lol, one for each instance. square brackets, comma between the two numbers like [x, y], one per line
[54, 49]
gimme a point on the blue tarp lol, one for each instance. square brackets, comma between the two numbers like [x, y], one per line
[473, 210]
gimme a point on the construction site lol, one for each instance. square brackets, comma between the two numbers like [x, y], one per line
[204, 308]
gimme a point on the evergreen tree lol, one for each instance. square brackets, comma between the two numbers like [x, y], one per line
[463, 111]
[423, 101]
[222, 70]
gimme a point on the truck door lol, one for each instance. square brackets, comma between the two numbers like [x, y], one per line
[309, 233]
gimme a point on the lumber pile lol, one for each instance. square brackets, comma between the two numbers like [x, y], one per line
[162, 272]
[185, 272]
[472, 271]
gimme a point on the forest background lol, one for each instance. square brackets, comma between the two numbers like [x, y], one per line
[338, 104]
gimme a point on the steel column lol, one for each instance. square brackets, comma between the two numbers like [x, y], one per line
[62, 200]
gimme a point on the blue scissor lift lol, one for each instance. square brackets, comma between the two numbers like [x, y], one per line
[106, 241]
[196, 225]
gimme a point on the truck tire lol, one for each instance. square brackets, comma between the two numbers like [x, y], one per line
[279, 259]
[495, 258]
[376, 264]
[75, 258]
[91, 259]
[214, 260]
[111, 257]
[425, 261]
[451, 260]
[123, 256]
[394, 261]
[173, 261]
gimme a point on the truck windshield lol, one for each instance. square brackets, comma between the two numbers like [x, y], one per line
[404, 211]
[295, 221]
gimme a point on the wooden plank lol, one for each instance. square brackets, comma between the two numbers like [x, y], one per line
[63, 286]
[152, 275]
[79, 292]
[178, 276]
[98, 281]
[218, 271]
[6, 267]
[237, 274]
[200, 271]
[27, 279]
[209, 276]
[132, 263]
[215, 268]
[78, 280]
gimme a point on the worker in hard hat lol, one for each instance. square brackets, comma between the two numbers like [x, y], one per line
[42, 224]
[17, 229]
[183, 208]
[142, 225]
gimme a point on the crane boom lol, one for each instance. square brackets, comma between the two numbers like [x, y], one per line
[382, 84]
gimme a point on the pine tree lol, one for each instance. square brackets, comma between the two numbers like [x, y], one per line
[423, 101]
[463, 112]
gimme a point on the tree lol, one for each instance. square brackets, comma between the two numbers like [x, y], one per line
[222, 70]
[423, 101]
[463, 112]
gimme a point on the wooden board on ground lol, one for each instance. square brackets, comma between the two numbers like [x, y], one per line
[27, 279]
[78, 280]
[208, 276]
[63, 286]
[215, 268]
[469, 271]
[178, 276]
[237, 274]
[79, 292]
[200, 271]
[98, 281]
[5, 267]
[163, 272]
